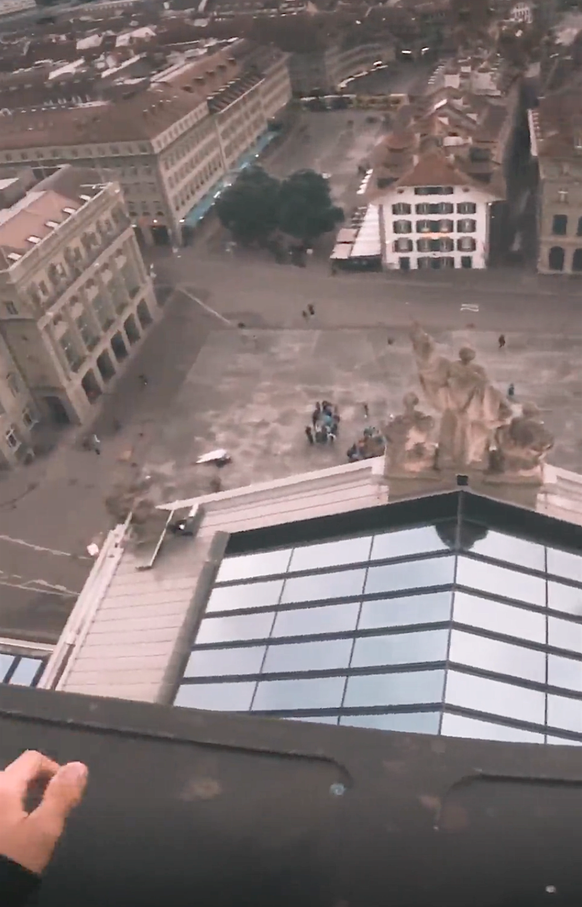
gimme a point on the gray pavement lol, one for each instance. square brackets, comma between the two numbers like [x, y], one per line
[253, 393]
[248, 284]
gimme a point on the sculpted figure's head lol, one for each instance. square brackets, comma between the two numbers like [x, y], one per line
[466, 354]
[410, 400]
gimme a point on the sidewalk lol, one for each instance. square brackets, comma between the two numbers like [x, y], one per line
[506, 280]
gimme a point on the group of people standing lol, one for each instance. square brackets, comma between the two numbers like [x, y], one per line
[325, 420]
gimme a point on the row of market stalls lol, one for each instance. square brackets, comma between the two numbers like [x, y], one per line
[359, 246]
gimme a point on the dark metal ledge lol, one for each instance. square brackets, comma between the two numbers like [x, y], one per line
[197, 808]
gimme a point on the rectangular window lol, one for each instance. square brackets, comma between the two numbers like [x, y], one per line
[407, 722]
[404, 542]
[320, 693]
[311, 621]
[223, 697]
[29, 417]
[102, 313]
[509, 548]
[565, 672]
[499, 618]
[497, 657]
[410, 575]
[308, 656]
[466, 226]
[560, 224]
[472, 728]
[331, 554]
[495, 697]
[395, 689]
[434, 190]
[224, 662]
[466, 208]
[401, 208]
[325, 585]
[236, 627]
[565, 598]
[69, 349]
[88, 335]
[565, 634]
[565, 713]
[26, 672]
[501, 582]
[400, 648]
[13, 382]
[247, 566]
[245, 596]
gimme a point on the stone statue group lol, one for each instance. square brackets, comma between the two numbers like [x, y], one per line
[478, 428]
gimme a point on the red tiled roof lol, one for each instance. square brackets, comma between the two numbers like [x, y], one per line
[433, 169]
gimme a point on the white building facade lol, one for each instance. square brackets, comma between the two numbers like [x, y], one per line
[435, 226]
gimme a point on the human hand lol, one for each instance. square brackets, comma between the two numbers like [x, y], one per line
[30, 838]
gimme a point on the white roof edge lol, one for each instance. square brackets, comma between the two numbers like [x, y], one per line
[373, 466]
[85, 608]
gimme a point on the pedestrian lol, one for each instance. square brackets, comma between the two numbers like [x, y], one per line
[501, 341]
[511, 391]
[143, 380]
[366, 411]
[390, 341]
[309, 433]
[315, 415]
[96, 444]
[305, 315]
[311, 309]
[116, 425]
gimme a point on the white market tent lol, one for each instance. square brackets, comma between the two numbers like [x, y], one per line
[368, 243]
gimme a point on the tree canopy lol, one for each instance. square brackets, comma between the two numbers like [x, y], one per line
[305, 206]
[249, 207]
[257, 205]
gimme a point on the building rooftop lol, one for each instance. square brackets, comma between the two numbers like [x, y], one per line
[556, 127]
[129, 113]
[43, 209]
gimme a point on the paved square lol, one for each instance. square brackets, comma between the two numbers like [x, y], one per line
[253, 394]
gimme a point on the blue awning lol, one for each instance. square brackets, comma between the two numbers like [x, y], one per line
[250, 156]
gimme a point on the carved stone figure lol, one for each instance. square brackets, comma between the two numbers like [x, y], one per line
[521, 446]
[472, 408]
[407, 439]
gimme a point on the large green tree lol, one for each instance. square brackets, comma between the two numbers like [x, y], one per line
[305, 208]
[249, 207]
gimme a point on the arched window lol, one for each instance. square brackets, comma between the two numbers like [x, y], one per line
[577, 260]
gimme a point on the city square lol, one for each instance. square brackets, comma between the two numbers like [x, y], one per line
[252, 390]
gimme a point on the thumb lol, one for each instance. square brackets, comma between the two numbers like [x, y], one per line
[64, 791]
